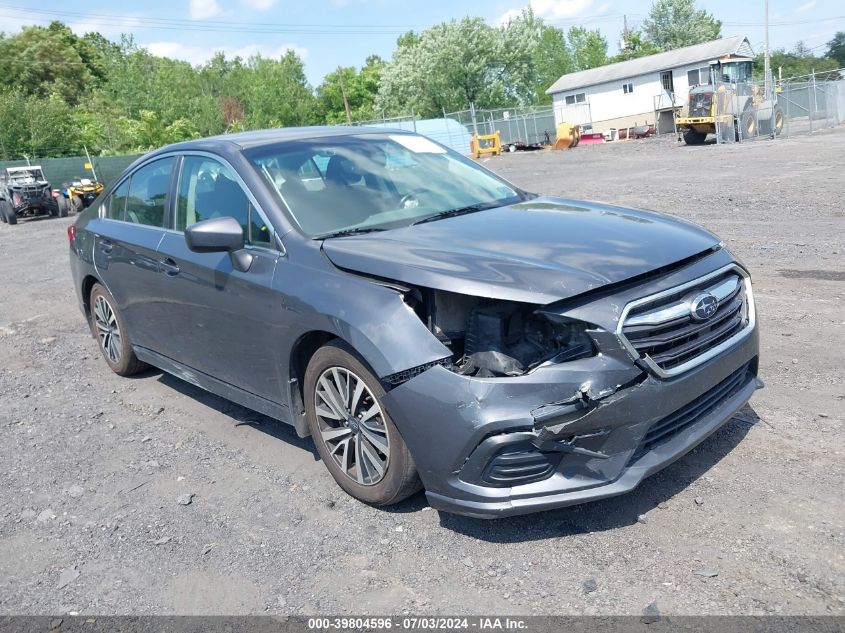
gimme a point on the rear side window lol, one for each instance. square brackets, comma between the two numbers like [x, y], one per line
[117, 202]
[147, 197]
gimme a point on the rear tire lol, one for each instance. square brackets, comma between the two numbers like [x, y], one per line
[77, 203]
[8, 212]
[109, 330]
[694, 137]
[364, 452]
[63, 204]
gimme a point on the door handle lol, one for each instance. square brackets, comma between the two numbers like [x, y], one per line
[106, 245]
[169, 267]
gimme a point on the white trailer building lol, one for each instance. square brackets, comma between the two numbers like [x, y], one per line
[640, 91]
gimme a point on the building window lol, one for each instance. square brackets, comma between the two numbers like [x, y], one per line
[698, 76]
[628, 88]
[580, 97]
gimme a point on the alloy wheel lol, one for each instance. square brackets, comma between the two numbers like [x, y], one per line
[108, 331]
[351, 424]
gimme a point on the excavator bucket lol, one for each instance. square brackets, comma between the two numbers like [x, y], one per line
[567, 136]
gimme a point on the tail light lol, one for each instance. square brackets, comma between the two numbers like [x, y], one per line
[71, 233]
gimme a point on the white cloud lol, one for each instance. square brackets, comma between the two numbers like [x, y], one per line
[806, 6]
[201, 54]
[551, 9]
[204, 9]
[259, 5]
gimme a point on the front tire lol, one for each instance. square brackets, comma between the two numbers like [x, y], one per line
[356, 439]
[8, 212]
[694, 137]
[108, 328]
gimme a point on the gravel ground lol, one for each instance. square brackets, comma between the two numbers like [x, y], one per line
[92, 465]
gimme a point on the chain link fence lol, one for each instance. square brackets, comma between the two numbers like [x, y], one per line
[530, 125]
[747, 111]
[518, 126]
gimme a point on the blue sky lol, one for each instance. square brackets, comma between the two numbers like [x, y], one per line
[327, 33]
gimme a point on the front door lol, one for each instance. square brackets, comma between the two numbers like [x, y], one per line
[224, 323]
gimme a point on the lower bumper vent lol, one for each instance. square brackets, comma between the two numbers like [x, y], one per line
[667, 428]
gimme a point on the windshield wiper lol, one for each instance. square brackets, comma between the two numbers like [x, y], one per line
[451, 213]
[347, 232]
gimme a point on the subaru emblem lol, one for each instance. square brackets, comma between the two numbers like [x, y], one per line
[703, 306]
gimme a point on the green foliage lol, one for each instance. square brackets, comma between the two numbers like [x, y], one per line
[60, 93]
[34, 126]
[795, 63]
[836, 49]
[677, 23]
[551, 60]
[588, 48]
[453, 64]
[361, 88]
[635, 46]
[50, 61]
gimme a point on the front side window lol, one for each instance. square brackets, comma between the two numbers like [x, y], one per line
[147, 196]
[208, 189]
[374, 181]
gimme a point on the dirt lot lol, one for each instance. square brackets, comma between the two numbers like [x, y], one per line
[753, 521]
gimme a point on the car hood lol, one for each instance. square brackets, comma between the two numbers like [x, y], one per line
[539, 251]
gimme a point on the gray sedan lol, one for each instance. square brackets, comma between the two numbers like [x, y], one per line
[427, 323]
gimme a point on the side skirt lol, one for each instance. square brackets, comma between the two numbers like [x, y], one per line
[218, 387]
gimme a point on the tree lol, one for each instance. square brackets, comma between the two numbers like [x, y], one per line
[836, 49]
[634, 46]
[453, 64]
[51, 60]
[677, 23]
[588, 48]
[361, 88]
[798, 62]
[551, 60]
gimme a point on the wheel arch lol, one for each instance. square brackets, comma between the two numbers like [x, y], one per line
[85, 288]
[301, 353]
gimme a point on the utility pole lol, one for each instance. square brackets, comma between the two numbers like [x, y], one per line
[343, 94]
[767, 71]
[625, 32]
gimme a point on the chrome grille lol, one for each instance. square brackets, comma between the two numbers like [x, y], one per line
[662, 331]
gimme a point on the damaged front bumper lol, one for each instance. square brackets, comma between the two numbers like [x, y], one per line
[563, 434]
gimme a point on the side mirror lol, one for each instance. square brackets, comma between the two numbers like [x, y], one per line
[220, 235]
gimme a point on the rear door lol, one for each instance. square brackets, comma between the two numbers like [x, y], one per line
[127, 235]
[224, 323]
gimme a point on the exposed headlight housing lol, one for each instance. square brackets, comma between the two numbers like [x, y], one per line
[509, 339]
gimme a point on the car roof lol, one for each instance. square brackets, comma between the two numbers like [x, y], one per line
[257, 138]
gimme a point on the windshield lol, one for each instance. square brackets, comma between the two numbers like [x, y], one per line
[366, 182]
[25, 176]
